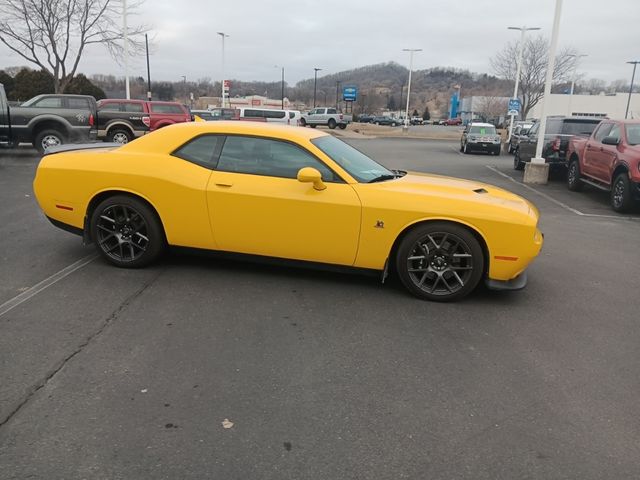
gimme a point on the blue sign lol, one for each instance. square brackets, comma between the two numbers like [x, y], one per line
[350, 94]
[514, 106]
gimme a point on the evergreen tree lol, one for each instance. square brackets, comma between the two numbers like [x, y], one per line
[29, 83]
[81, 85]
[426, 115]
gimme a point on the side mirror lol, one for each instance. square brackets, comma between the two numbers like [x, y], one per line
[611, 140]
[311, 175]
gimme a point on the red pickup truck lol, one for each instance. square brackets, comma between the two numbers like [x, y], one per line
[122, 120]
[609, 160]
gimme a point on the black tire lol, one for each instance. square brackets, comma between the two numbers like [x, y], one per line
[621, 199]
[127, 232]
[497, 151]
[312, 125]
[331, 123]
[573, 176]
[342, 126]
[119, 135]
[48, 138]
[377, 123]
[303, 122]
[393, 124]
[518, 164]
[439, 254]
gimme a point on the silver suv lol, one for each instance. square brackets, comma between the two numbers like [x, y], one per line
[480, 137]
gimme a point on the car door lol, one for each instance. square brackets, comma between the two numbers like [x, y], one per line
[527, 144]
[593, 151]
[257, 205]
[608, 155]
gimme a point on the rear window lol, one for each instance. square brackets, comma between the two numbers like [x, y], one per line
[165, 108]
[579, 127]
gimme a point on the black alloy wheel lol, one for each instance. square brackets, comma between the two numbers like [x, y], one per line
[573, 176]
[621, 200]
[440, 261]
[518, 164]
[127, 232]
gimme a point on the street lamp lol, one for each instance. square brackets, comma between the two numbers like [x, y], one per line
[633, 76]
[523, 31]
[281, 86]
[537, 170]
[184, 87]
[223, 36]
[406, 115]
[126, 49]
[338, 82]
[315, 84]
[573, 78]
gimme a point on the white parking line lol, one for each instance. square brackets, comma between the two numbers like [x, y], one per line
[558, 202]
[46, 283]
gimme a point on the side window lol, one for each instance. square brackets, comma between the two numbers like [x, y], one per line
[250, 113]
[603, 131]
[533, 131]
[274, 113]
[331, 110]
[165, 108]
[79, 103]
[201, 150]
[292, 115]
[49, 102]
[261, 156]
[615, 131]
[110, 107]
[133, 107]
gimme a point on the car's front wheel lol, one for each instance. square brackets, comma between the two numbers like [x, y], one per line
[573, 176]
[518, 164]
[439, 261]
[303, 122]
[342, 126]
[621, 200]
[127, 232]
[331, 123]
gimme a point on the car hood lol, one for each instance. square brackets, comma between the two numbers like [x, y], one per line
[429, 185]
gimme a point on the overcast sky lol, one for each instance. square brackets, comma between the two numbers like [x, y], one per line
[340, 35]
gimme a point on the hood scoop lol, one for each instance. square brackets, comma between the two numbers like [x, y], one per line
[480, 190]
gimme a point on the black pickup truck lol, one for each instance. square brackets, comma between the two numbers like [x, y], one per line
[48, 120]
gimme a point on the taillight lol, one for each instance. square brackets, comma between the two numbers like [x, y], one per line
[555, 145]
[91, 120]
[146, 121]
[340, 116]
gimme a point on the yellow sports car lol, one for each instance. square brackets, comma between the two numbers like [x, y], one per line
[290, 193]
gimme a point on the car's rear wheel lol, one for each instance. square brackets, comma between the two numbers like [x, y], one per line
[127, 232]
[303, 122]
[518, 164]
[119, 135]
[573, 176]
[331, 123]
[440, 261]
[621, 200]
[48, 138]
[342, 126]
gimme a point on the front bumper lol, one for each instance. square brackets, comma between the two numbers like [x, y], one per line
[517, 283]
[483, 146]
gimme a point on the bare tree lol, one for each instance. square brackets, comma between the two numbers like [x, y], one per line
[491, 107]
[534, 68]
[53, 34]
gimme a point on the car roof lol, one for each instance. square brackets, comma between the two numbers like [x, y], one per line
[480, 124]
[173, 136]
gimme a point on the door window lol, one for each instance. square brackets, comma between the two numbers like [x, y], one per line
[49, 102]
[603, 131]
[615, 132]
[110, 107]
[273, 158]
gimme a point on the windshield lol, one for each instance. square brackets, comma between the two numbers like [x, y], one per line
[633, 134]
[483, 130]
[356, 163]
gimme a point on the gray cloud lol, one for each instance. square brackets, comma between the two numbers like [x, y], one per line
[338, 35]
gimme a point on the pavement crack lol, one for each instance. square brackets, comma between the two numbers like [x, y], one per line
[105, 323]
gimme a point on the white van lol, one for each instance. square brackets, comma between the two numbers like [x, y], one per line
[288, 117]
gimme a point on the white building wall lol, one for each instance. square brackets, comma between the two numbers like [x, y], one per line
[613, 106]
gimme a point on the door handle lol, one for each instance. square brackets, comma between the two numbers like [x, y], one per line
[224, 184]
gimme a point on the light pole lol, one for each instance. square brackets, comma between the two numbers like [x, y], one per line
[146, 41]
[338, 82]
[576, 58]
[281, 87]
[315, 84]
[184, 87]
[537, 170]
[126, 49]
[406, 115]
[523, 31]
[633, 76]
[223, 36]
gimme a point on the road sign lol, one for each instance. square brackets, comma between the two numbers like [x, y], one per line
[514, 106]
[227, 85]
[350, 94]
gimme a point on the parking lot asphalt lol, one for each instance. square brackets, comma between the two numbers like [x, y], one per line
[129, 374]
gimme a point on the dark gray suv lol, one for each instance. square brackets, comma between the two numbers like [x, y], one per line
[556, 140]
